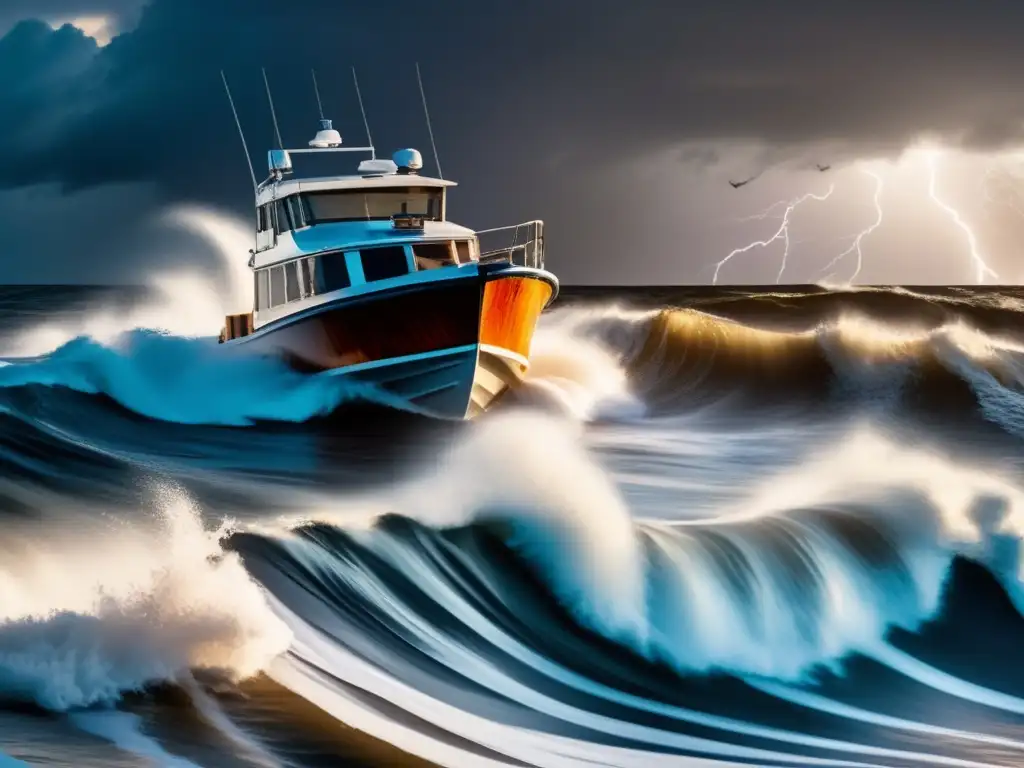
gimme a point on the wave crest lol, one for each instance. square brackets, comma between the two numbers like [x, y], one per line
[85, 624]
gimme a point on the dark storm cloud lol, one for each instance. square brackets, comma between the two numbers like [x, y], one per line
[122, 13]
[527, 75]
[531, 98]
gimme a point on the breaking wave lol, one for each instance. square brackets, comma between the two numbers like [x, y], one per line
[592, 363]
[114, 609]
[490, 582]
[768, 529]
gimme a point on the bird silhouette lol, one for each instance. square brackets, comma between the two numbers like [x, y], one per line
[823, 168]
[738, 184]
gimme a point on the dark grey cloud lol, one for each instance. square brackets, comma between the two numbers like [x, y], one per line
[121, 13]
[533, 74]
[533, 100]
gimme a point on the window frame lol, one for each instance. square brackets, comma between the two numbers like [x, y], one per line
[295, 211]
[307, 276]
[394, 249]
[282, 220]
[262, 290]
[435, 197]
[470, 253]
[449, 245]
[328, 264]
[292, 289]
[274, 301]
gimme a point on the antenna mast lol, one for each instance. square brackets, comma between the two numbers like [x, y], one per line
[238, 123]
[430, 130]
[316, 88]
[273, 114]
[359, 95]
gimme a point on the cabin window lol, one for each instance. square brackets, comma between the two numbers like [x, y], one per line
[283, 225]
[262, 224]
[466, 251]
[306, 272]
[382, 263]
[296, 212]
[291, 280]
[331, 273]
[433, 255]
[277, 294]
[262, 290]
[364, 205]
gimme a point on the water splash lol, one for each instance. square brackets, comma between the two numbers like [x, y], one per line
[182, 302]
[81, 624]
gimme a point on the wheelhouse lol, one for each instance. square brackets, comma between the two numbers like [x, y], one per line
[299, 210]
[326, 239]
[294, 205]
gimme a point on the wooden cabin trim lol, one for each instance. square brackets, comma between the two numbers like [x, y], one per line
[236, 326]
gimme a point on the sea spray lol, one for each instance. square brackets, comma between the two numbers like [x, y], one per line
[190, 381]
[813, 563]
[129, 607]
[181, 301]
[530, 470]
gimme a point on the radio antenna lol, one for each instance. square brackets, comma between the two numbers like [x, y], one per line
[430, 130]
[359, 95]
[238, 123]
[273, 114]
[316, 89]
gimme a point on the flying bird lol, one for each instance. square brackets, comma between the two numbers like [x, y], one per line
[738, 184]
[823, 168]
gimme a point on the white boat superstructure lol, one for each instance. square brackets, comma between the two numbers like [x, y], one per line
[365, 274]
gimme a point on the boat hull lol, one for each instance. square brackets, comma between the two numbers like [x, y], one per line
[447, 347]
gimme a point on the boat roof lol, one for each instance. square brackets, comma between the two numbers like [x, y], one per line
[275, 190]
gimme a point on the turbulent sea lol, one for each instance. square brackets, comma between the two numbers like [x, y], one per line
[716, 527]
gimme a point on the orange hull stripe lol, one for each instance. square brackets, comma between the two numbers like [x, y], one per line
[510, 310]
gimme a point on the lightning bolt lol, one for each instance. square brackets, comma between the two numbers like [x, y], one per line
[782, 233]
[856, 245]
[766, 213]
[983, 269]
[999, 186]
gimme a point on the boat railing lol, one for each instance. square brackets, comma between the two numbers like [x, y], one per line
[520, 244]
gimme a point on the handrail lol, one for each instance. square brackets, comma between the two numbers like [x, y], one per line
[528, 252]
[534, 222]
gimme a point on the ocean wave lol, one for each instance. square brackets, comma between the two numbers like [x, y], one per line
[511, 580]
[491, 581]
[679, 360]
[185, 303]
[593, 362]
[814, 564]
[116, 609]
[603, 576]
[189, 381]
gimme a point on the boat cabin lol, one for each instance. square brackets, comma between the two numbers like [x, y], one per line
[318, 236]
[329, 239]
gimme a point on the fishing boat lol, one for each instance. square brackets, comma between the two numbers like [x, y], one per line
[365, 276]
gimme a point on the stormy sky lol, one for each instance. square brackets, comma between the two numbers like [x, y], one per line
[619, 123]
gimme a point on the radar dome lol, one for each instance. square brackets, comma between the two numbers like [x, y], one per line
[377, 167]
[408, 160]
[326, 137]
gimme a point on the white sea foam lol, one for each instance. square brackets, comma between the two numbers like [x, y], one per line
[183, 302]
[114, 610]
